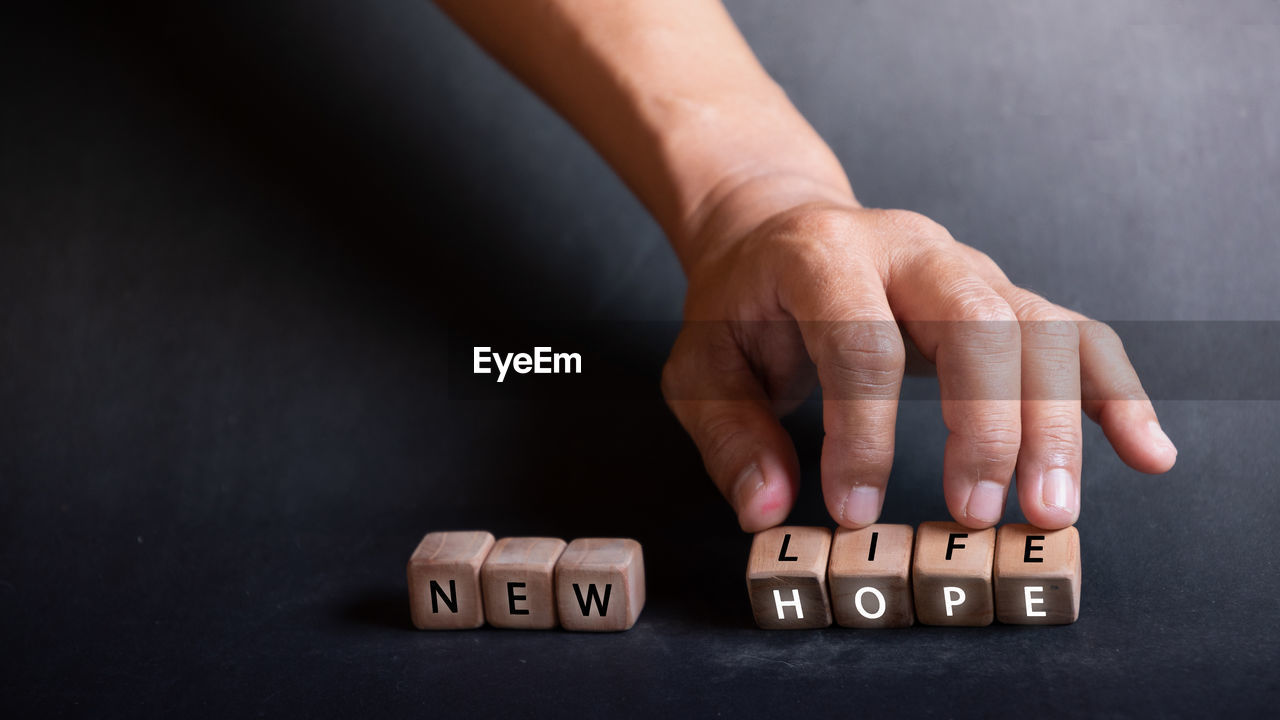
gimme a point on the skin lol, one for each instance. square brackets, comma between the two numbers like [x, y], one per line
[792, 282]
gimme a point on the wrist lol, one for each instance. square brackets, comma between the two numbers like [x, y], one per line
[738, 161]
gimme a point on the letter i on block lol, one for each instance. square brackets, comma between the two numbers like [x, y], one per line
[787, 578]
[518, 582]
[600, 584]
[952, 574]
[870, 576]
[1037, 575]
[444, 580]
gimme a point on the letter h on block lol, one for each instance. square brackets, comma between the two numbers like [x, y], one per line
[787, 578]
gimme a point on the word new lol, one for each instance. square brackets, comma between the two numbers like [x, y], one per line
[541, 362]
[890, 576]
[461, 580]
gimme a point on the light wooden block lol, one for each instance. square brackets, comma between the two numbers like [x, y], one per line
[518, 582]
[444, 580]
[870, 576]
[600, 584]
[952, 574]
[1037, 575]
[787, 578]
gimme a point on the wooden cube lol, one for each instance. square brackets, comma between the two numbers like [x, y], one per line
[870, 576]
[1037, 575]
[444, 580]
[518, 582]
[952, 574]
[787, 578]
[600, 584]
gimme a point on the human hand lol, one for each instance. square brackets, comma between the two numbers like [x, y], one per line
[815, 291]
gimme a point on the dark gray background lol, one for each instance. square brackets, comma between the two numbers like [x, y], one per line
[239, 240]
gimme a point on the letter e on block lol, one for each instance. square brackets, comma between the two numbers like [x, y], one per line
[518, 583]
[787, 578]
[1037, 575]
[600, 584]
[444, 580]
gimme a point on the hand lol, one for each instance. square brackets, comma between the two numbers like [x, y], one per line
[815, 292]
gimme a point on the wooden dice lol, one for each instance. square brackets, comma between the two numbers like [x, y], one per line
[952, 578]
[518, 582]
[444, 580]
[870, 577]
[460, 580]
[885, 576]
[1037, 575]
[787, 578]
[600, 584]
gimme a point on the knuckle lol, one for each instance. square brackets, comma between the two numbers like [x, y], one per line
[978, 303]
[995, 442]
[869, 353]
[1045, 323]
[1101, 334]
[719, 437]
[871, 451]
[1059, 431]
[919, 227]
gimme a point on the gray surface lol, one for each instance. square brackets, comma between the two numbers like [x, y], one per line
[234, 242]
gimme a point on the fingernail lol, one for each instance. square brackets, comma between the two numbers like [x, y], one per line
[746, 486]
[862, 505]
[1158, 436]
[1058, 490]
[986, 502]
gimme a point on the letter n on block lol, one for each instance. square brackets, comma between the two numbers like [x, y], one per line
[1037, 575]
[600, 584]
[787, 578]
[444, 580]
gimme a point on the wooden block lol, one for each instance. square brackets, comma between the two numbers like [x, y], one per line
[787, 578]
[600, 584]
[870, 576]
[1037, 575]
[518, 582]
[444, 580]
[952, 574]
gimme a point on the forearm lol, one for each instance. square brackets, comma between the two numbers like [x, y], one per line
[671, 96]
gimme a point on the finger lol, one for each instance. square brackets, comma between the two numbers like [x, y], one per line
[709, 386]
[1050, 457]
[971, 334]
[851, 335]
[1112, 396]
[1111, 393]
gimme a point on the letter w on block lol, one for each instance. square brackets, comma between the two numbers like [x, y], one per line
[589, 564]
[593, 597]
[787, 578]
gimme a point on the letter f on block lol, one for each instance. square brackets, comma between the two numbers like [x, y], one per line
[793, 602]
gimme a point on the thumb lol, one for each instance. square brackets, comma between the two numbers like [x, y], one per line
[710, 386]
